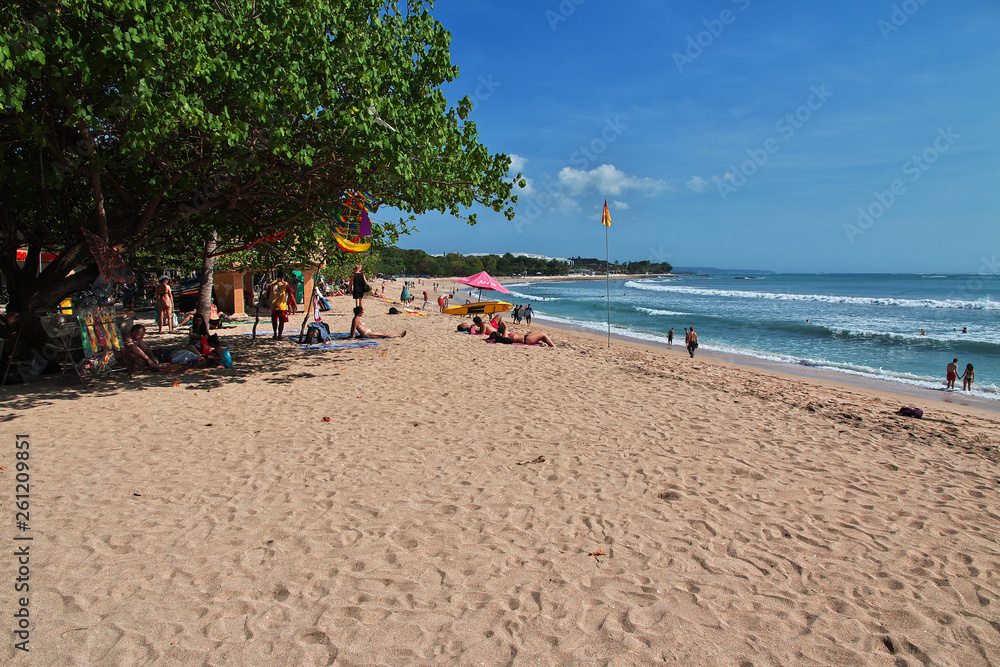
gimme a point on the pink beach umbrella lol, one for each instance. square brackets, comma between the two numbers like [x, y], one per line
[483, 280]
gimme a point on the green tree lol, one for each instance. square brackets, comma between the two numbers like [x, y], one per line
[154, 124]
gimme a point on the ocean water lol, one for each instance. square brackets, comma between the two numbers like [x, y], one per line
[864, 324]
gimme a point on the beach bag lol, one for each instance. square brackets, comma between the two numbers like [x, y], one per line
[205, 347]
[227, 359]
[908, 411]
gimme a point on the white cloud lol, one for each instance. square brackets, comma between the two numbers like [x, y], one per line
[517, 163]
[608, 180]
[697, 183]
[619, 205]
[563, 205]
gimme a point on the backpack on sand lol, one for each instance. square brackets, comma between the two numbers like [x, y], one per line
[317, 332]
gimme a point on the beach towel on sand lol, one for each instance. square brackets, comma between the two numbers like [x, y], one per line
[340, 345]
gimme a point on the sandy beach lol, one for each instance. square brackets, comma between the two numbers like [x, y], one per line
[440, 500]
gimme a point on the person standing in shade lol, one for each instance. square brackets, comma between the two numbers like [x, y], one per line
[281, 295]
[165, 304]
[952, 373]
[691, 340]
[527, 314]
[670, 337]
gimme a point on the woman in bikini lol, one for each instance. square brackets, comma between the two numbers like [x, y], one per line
[967, 377]
[532, 338]
[364, 332]
[165, 304]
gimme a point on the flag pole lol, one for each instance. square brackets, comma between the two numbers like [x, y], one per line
[607, 282]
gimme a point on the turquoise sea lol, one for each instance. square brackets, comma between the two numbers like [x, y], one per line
[862, 324]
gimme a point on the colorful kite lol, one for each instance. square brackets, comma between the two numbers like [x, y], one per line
[351, 222]
[112, 268]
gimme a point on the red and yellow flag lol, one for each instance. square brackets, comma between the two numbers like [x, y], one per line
[606, 218]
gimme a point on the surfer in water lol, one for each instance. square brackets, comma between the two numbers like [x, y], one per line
[364, 332]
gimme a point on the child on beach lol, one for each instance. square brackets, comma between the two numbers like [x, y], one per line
[967, 377]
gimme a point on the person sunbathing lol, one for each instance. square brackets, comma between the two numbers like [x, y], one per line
[497, 325]
[531, 338]
[364, 332]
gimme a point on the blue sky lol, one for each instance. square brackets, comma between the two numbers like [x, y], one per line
[855, 136]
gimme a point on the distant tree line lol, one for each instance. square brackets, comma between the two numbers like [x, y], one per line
[391, 260]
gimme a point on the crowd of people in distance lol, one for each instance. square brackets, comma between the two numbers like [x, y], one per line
[203, 348]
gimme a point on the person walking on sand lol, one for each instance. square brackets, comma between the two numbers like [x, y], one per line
[527, 312]
[165, 304]
[967, 377]
[670, 337]
[691, 340]
[281, 294]
[952, 373]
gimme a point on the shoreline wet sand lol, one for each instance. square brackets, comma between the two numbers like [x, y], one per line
[905, 392]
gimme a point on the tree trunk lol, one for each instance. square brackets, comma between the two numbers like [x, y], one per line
[207, 277]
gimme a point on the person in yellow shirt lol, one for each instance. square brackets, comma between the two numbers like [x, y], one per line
[282, 301]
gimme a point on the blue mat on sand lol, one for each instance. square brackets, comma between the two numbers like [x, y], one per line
[269, 332]
[335, 336]
[339, 346]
